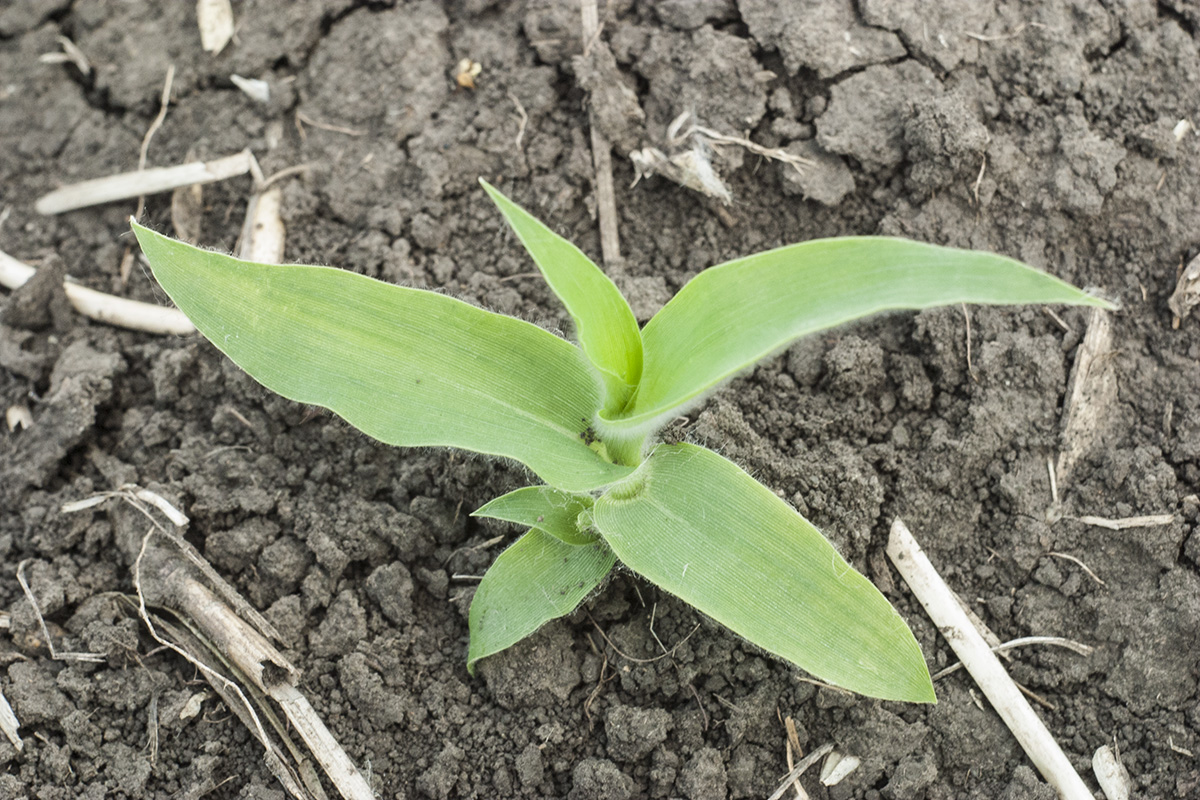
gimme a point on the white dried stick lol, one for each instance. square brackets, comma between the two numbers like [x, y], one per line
[9, 724]
[263, 232]
[981, 662]
[102, 307]
[128, 185]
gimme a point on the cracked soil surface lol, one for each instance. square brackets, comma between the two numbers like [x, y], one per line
[1043, 130]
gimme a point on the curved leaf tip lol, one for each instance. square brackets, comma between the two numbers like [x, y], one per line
[732, 315]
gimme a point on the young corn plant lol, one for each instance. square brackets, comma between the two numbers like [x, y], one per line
[415, 368]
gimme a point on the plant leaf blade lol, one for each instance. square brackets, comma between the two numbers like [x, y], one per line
[734, 314]
[537, 579]
[405, 366]
[552, 510]
[604, 323]
[699, 527]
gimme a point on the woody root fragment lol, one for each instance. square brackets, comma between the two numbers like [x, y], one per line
[984, 667]
[218, 632]
[262, 237]
[690, 163]
[102, 307]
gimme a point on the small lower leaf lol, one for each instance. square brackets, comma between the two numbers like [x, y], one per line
[552, 510]
[538, 579]
[702, 529]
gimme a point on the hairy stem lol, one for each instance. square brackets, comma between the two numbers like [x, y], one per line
[624, 449]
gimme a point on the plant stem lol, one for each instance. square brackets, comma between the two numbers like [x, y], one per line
[625, 450]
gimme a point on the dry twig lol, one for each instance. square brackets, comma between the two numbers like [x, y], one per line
[717, 139]
[606, 203]
[301, 117]
[793, 749]
[57, 655]
[102, 307]
[522, 119]
[967, 320]
[801, 768]
[245, 648]
[1121, 523]
[979, 179]
[127, 185]
[937, 599]
[1077, 647]
[229, 690]
[1082, 566]
[71, 54]
[1053, 482]
[164, 104]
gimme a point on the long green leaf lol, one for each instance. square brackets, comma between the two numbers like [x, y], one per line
[406, 366]
[604, 323]
[545, 507]
[702, 529]
[538, 579]
[730, 316]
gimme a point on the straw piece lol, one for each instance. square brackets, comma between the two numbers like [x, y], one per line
[118, 311]
[937, 599]
[128, 185]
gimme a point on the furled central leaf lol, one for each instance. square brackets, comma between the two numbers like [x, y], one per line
[702, 529]
[731, 315]
[406, 366]
[607, 329]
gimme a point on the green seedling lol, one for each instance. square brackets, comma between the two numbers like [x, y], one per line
[412, 367]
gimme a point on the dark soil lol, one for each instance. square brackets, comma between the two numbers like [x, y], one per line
[353, 549]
